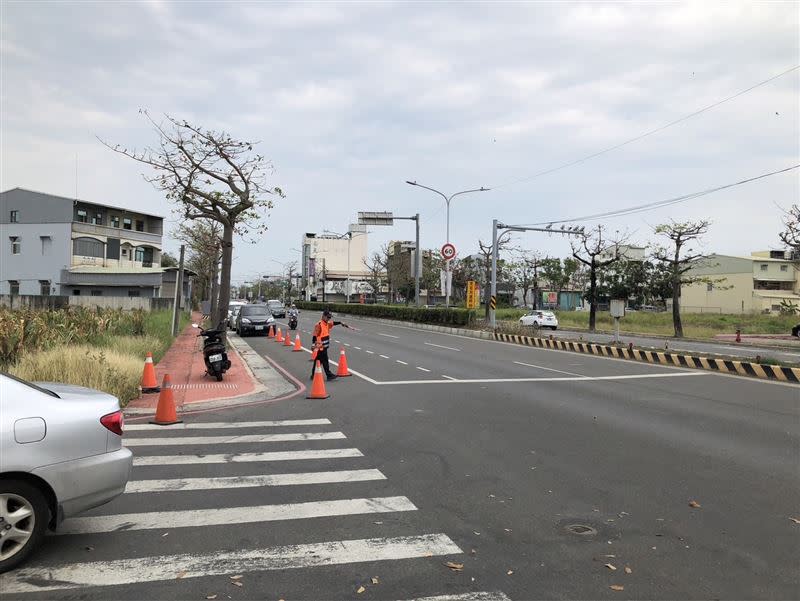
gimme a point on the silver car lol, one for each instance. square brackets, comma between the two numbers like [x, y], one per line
[61, 453]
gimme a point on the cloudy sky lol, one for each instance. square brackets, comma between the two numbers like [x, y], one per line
[349, 100]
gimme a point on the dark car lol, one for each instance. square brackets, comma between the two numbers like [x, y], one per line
[277, 308]
[796, 330]
[254, 319]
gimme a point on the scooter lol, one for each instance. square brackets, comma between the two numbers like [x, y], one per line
[292, 321]
[215, 354]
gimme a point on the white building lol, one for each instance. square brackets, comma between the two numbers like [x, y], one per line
[330, 261]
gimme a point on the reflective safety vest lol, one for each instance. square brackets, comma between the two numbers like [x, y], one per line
[324, 338]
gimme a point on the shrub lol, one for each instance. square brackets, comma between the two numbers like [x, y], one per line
[453, 316]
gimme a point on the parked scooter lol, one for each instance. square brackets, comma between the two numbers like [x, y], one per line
[215, 354]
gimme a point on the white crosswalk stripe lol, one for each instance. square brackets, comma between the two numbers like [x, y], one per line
[246, 457]
[226, 425]
[191, 440]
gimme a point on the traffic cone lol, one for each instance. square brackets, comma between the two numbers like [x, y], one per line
[342, 372]
[287, 340]
[318, 385]
[279, 337]
[165, 412]
[149, 382]
[298, 348]
[271, 331]
[313, 355]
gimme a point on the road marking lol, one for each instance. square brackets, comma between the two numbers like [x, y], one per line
[553, 379]
[246, 457]
[423, 369]
[194, 518]
[387, 335]
[384, 357]
[477, 596]
[569, 373]
[401, 362]
[190, 440]
[347, 344]
[449, 377]
[149, 569]
[352, 371]
[369, 352]
[358, 348]
[226, 425]
[180, 484]
[449, 348]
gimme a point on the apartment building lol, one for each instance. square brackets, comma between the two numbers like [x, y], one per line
[54, 245]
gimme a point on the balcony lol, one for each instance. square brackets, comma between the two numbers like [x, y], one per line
[116, 232]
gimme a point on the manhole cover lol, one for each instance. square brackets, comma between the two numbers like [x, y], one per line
[581, 529]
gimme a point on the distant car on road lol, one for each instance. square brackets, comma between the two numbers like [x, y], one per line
[277, 308]
[61, 453]
[233, 314]
[796, 330]
[540, 319]
[253, 319]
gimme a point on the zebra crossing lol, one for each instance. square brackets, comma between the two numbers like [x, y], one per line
[181, 493]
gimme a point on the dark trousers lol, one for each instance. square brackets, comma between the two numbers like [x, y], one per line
[322, 357]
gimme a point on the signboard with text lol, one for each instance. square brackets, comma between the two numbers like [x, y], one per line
[473, 294]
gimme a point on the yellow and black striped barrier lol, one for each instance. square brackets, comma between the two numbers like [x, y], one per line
[725, 366]
[493, 302]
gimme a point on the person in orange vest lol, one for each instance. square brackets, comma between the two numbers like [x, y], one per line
[322, 340]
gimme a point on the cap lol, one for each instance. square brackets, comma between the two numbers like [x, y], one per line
[327, 313]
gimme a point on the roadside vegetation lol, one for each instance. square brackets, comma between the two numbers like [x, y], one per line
[102, 349]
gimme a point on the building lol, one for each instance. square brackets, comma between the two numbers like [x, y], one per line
[759, 283]
[626, 252]
[330, 261]
[54, 245]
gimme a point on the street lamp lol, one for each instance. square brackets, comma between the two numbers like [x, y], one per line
[447, 200]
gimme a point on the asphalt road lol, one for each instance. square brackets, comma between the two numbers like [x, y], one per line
[449, 449]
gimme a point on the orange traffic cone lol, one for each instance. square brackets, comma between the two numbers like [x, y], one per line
[149, 382]
[271, 331]
[313, 355]
[298, 348]
[287, 340]
[318, 385]
[343, 372]
[165, 412]
[279, 337]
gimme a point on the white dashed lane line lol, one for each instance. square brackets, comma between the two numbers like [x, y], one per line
[449, 377]
[401, 362]
[422, 369]
[449, 348]
[387, 335]
[369, 352]
[384, 357]
[358, 348]
[347, 344]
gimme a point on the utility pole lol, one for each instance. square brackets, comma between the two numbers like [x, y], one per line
[178, 296]
[323, 279]
[417, 263]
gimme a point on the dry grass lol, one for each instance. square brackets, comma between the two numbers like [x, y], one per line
[104, 369]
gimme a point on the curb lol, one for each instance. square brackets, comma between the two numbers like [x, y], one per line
[762, 371]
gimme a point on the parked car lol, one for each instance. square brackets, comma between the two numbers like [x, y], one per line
[233, 313]
[540, 319]
[61, 453]
[254, 319]
[796, 330]
[276, 308]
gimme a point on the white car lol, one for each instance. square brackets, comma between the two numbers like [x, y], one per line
[540, 319]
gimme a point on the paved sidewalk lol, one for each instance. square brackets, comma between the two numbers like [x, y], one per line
[184, 363]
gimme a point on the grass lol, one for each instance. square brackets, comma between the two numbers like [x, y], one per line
[695, 325]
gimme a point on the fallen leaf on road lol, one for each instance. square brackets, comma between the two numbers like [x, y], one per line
[617, 587]
[472, 551]
[165, 534]
[507, 529]
[456, 567]
[659, 519]
[491, 496]
[595, 509]
[360, 590]
[211, 596]
[375, 580]
[795, 520]
[611, 567]
[180, 575]
[628, 570]
[476, 533]
[89, 548]
[238, 577]
[510, 572]
[379, 523]
[237, 583]
[694, 504]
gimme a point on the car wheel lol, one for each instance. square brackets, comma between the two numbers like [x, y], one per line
[219, 377]
[554, 328]
[23, 521]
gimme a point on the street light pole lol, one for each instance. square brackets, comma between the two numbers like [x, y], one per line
[447, 200]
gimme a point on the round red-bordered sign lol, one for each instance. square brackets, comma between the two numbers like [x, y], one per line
[448, 251]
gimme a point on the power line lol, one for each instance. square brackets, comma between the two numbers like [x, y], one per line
[645, 134]
[662, 203]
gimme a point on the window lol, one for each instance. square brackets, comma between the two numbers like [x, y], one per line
[764, 267]
[127, 224]
[124, 253]
[47, 245]
[76, 292]
[82, 216]
[709, 287]
[16, 246]
[14, 217]
[88, 247]
[133, 293]
[96, 293]
[97, 219]
[139, 226]
[139, 255]
[114, 221]
[13, 286]
[44, 287]
[784, 268]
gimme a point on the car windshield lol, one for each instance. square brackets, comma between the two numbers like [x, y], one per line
[275, 304]
[255, 310]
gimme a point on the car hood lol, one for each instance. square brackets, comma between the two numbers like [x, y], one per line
[80, 393]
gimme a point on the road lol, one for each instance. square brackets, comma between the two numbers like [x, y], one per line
[450, 449]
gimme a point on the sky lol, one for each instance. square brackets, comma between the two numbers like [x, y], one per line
[350, 100]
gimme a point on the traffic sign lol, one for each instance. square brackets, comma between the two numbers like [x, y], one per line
[448, 251]
[473, 294]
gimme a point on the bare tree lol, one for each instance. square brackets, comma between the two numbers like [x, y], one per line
[376, 265]
[791, 235]
[210, 175]
[595, 252]
[291, 270]
[678, 260]
[486, 250]
[526, 272]
[202, 238]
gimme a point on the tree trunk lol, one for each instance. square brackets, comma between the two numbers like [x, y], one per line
[592, 297]
[676, 309]
[225, 276]
[213, 293]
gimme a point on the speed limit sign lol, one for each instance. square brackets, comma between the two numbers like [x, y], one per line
[448, 251]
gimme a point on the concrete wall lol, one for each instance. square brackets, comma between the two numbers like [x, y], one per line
[734, 295]
[105, 302]
[35, 207]
[38, 259]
